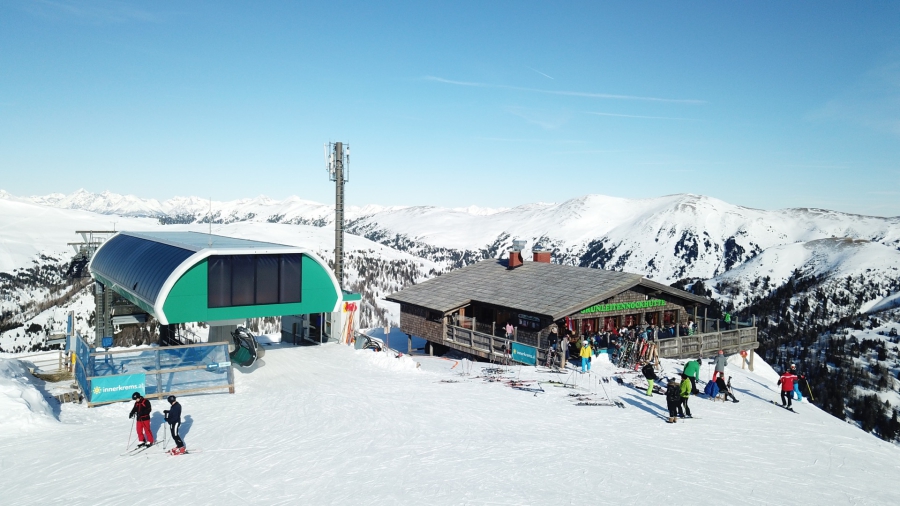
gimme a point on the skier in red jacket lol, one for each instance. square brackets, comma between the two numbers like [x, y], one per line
[142, 410]
[787, 387]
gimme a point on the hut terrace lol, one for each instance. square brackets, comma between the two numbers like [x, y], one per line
[469, 308]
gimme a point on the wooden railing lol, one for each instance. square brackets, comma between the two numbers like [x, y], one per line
[731, 341]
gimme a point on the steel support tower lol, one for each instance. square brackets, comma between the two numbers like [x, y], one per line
[337, 161]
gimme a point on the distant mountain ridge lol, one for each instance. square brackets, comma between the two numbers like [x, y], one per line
[666, 238]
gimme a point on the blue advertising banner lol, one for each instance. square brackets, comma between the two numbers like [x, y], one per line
[117, 388]
[524, 354]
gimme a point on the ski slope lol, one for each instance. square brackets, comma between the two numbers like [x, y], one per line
[332, 425]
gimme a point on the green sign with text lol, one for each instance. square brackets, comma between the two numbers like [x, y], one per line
[624, 306]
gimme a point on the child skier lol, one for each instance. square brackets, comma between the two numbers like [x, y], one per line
[673, 400]
[648, 373]
[796, 383]
[142, 410]
[585, 356]
[685, 394]
[787, 388]
[173, 418]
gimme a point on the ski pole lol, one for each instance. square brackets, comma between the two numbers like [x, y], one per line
[129, 434]
[810, 390]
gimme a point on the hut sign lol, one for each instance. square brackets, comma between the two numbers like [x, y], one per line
[621, 306]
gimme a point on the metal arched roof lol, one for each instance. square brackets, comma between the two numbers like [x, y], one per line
[145, 266]
[138, 265]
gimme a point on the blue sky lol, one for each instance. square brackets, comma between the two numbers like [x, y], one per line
[763, 104]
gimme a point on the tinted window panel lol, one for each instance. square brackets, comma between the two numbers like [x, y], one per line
[243, 277]
[290, 278]
[267, 279]
[219, 284]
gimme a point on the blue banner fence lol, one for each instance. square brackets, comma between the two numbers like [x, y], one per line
[169, 370]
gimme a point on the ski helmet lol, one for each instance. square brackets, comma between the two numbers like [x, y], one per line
[135, 396]
[171, 399]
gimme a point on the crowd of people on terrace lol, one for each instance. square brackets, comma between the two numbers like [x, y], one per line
[611, 341]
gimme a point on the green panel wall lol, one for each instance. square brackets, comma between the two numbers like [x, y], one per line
[187, 301]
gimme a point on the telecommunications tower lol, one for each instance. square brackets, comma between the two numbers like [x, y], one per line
[337, 162]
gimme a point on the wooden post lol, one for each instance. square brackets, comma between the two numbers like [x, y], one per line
[752, 352]
[705, 329]
[430, 349]
[408, 344]
[563, 346]
[491, 352]
[717, 326]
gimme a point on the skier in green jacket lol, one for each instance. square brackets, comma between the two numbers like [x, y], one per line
[692, 369]
[685, 394]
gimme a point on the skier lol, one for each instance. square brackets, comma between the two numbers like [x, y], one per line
[173, 418]
[585, 357]
[648, 373]
[725, 388]
[692, 369]
[720, 362]
[673, 400]
[796, 383]
[142, 410]
[787, 388]
[685, 394]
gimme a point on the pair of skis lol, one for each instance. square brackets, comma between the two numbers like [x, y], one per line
[788, 408]
[137, 450]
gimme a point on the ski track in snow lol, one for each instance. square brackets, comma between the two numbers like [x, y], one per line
[331, 425]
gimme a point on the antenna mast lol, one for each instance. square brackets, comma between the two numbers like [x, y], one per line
[209, 219]
[337, 161]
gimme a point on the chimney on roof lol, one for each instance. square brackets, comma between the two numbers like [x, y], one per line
[515, 254]
[540, 255]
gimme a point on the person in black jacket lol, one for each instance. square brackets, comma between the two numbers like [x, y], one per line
[173, 418]
[673, 400]
[650, 374]
[142, 410]
[725, 388]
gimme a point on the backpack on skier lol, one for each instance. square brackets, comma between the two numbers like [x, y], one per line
[712, 390]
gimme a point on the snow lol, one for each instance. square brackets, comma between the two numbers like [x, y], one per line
[760, 367]
[22, 405]
[885, 304]
[668, 238]
[332, 425]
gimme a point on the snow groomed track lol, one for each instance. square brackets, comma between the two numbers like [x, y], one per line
[332, 425]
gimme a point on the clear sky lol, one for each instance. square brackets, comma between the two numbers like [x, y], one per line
[763, 104]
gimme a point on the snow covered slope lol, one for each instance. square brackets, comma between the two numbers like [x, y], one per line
[830, 260]
[330, 425]
[667, 238]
